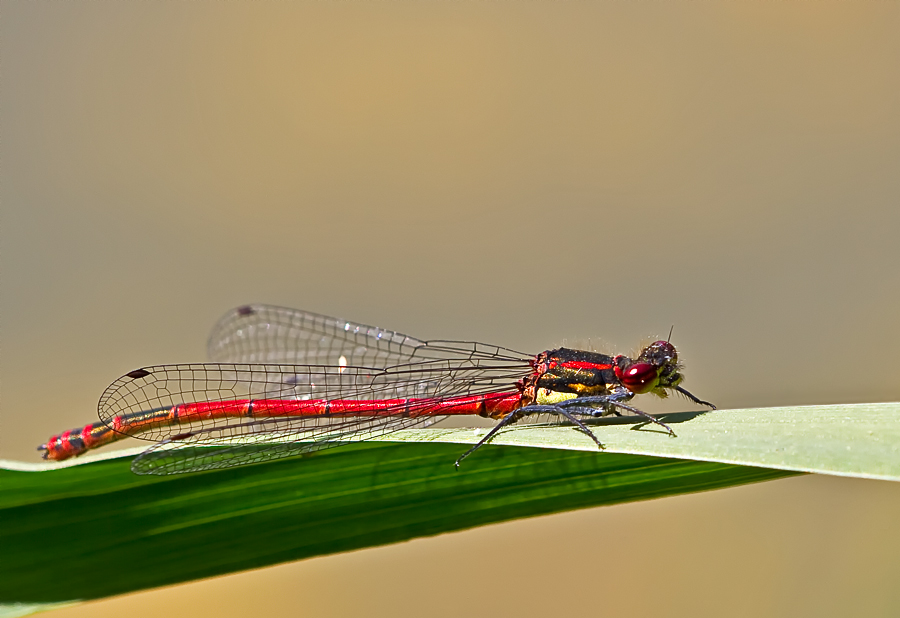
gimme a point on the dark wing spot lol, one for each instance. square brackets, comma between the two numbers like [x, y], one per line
[137, 373]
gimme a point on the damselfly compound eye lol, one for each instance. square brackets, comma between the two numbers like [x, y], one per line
[640, 377]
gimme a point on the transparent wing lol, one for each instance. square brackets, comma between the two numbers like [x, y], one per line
[174, 457]
[266, 411]
[269, 334]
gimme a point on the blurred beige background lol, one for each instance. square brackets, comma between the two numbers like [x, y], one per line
[517, 173]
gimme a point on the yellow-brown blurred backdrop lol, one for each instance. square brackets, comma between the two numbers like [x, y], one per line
[517, 173]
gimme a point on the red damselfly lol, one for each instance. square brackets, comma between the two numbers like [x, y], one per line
[285, 382]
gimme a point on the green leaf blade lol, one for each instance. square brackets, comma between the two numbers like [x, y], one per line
[125, 535]
[94, 529]
[859, 440]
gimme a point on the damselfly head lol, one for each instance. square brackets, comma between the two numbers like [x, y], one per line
[655, 369]
[659, 353]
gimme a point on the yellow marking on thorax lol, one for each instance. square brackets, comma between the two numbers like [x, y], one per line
[599, 389]
[546, 397]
